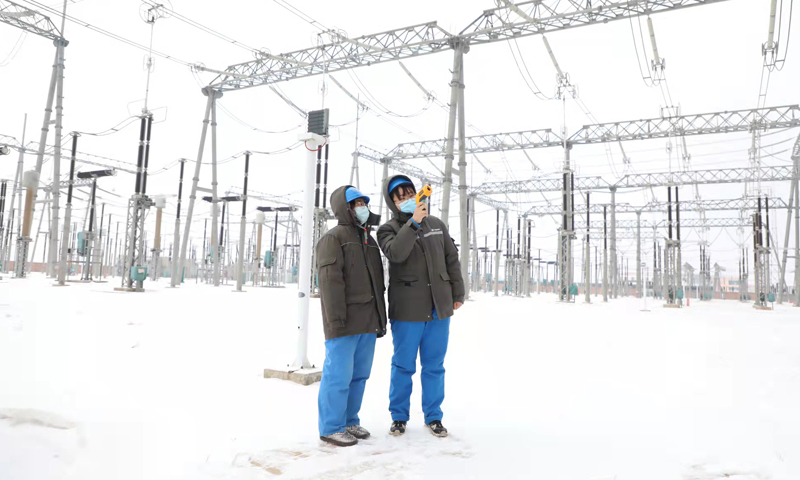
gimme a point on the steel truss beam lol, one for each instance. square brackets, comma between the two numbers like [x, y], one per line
[499, 24]
[735, 204]
[76, 183]
[498, 142]
[256, 195]
[543, 184]
[340, 54]
[703, 177]
[643, 180]
[690, 125]
[535, 17]
[685, 223]
[29, 20]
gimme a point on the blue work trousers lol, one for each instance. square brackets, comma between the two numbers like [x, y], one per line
[348, 362]
[430, 340]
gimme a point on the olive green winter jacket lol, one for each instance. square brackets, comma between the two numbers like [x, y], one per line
[350, 275]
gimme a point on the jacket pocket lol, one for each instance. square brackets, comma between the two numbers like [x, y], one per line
[358, 298]
[445, 276]
[407, 280]
[326, 261]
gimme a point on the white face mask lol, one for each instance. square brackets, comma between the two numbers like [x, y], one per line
[362, 214]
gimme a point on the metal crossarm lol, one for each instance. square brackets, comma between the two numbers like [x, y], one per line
[724, 175]
[735, 204]
[687, 125]
[29, 20]
[76, 183]
[685, 223]
[343, 53]
[580, 209]
[480, 144]
[536, 17]
[256, 195]
[499, 24]
[549, 184]
[410, 170]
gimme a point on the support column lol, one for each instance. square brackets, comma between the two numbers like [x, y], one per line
[462, 183]
[312, 141]
[63, 267]
[455, 86]
[528, 260]
[384, 176]
[87, 274]
[679, 246]
[587, 265]
[605, 255]
[242, 226]
[496, 269]
[52, 257]
[30, 179]
[174, 279]
[782, 261]
[476, 278]
[796, 158]
[214, 197]
[212, 96]
[639, 293]
[614, 272]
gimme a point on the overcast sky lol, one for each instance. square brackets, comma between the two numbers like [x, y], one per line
[713, 63]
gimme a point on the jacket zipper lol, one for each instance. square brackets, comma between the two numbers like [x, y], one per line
[428, 265]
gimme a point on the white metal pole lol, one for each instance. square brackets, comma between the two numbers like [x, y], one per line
[796, 158]
[312, 143]
[242, 226]
[462, 184]
[214, 198]
[52, 257]
[613, 241]
[455, 82]
[195, 178]
[639, 253]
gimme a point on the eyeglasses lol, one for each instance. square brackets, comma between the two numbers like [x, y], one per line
[359, 202]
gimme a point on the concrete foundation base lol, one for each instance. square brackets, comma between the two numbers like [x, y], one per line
[126, 289]
[303, 377]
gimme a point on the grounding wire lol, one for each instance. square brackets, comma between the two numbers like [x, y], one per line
[109, 34]
[535, 89]
[12, 54]
[201, 27]
[301, 15]
[638, 58]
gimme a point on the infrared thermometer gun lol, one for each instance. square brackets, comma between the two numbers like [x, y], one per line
[424, 194]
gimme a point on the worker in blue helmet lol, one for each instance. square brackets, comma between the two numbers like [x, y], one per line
[353, 314]
[425, 288]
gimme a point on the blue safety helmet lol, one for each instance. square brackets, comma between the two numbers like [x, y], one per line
[397, 182]
[353, 193]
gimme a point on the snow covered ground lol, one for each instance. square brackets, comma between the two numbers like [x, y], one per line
[168, 385]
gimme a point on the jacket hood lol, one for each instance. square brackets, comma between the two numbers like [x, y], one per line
[390, 203]
[343, 213]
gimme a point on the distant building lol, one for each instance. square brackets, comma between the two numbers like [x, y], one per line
[729, 285]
